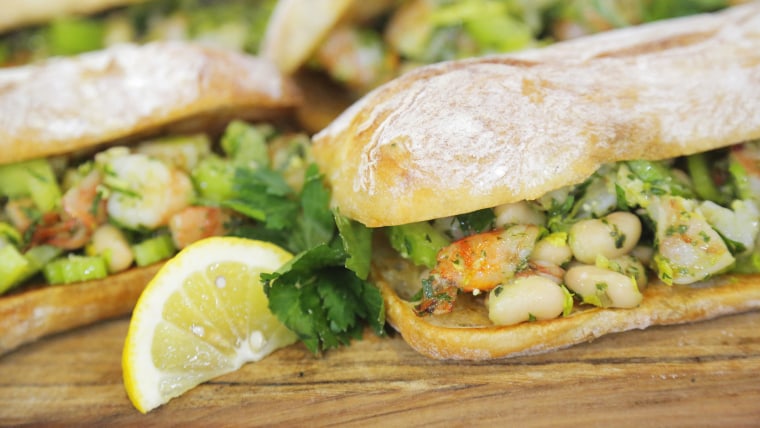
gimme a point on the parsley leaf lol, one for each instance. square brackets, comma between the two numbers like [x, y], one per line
[322, 293]
[331, 303]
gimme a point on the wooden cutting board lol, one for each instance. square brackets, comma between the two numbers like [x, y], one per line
[692, 375]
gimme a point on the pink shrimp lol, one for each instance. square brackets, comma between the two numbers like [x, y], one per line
[195, 223]
[477, 263]
[82, 212]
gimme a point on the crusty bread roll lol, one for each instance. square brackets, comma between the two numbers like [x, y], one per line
[68, 104]
[459, 136]
[19, 13]
[77, 103]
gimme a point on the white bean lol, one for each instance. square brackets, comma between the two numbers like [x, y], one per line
[108, 240]
[629, 266]
[525, 298]
[612, 236]
[603, 287]
[552, 249]
[521, 212]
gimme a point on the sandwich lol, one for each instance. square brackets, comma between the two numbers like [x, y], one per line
[34, 30]
[527, 202]
[361, 44]
[109, 165]
[339, 50]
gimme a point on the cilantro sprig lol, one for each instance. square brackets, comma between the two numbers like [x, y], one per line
[322, 294]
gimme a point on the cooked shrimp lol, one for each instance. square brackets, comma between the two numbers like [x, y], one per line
[477, 263]
[195, 223]
[688, 248]
[20, 213]
[82, 211]
[82, 201]
[145, 191]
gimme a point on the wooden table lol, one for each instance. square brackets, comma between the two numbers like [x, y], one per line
[692, 375]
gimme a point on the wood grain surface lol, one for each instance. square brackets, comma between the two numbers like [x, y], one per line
[703, 374]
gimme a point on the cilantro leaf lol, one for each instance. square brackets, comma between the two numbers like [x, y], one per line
[357, 242]
[263, 195]
[315, 223]
[331, 303]
[322, 293]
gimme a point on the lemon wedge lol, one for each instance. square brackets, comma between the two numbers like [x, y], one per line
[204, 314]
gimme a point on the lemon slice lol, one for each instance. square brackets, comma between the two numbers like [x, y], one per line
[204, 314]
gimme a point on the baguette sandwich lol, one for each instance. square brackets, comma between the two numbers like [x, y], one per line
[107, 167]
[533, 201]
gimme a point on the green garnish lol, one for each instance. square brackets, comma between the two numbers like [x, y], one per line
[322, 294]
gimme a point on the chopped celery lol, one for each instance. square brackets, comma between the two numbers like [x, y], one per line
[67, 270]
[419, 242]
[741, 180]
[659, 179]
[213, 178]
[246, 143]
[704, 186]
[153, 250]
[33, 178]
[10, 234]
[71, 36]
[12, 267]
[38, 257]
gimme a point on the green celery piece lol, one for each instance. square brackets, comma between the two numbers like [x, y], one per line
[214, 179]
[153, 250]
[418, 242]
[13, 265]
[740, 179]
[71, 36]
[9, 234]
[247, 144]
[67, 270]
[33, 178]
[38, 257]
[699, 171]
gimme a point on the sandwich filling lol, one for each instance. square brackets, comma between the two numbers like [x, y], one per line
[84, 216]
[234, 24]
[597, 243]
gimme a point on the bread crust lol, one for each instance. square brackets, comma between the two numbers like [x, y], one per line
[70, 104]
[460, 136]
[34, 313]
[19, 13]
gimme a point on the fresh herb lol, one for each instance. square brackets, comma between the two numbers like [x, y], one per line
[322, 294]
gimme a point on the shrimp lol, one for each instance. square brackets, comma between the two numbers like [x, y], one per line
[688, 248]
[83, 210]
[145, 191]
[477, 263]
[195, 223]
[20, 213]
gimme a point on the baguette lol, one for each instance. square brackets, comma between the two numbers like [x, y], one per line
[458, 136]
[78, 104]
[467, 135]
